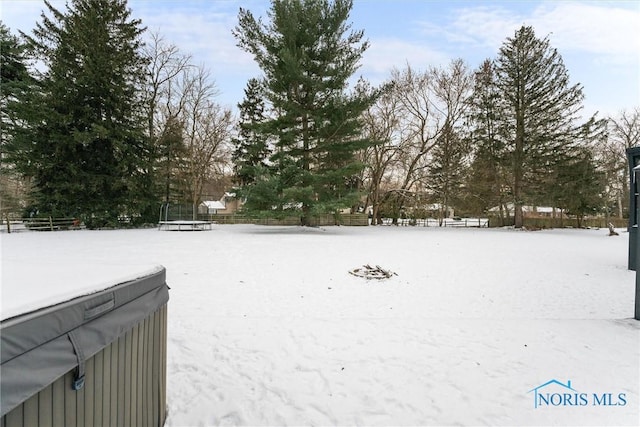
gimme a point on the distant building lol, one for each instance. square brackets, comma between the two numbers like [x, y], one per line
[531, 211]
[228, 204]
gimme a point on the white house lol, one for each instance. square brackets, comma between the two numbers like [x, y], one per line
[531, 211]
[228, 204]
[212, 206]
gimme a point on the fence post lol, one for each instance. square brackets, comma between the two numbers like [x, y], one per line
[51, 223]
[8, 223]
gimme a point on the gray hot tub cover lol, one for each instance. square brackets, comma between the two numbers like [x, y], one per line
[39, 347]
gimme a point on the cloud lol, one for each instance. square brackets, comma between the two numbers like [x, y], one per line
[384, 54]
[205, 34]
[203, 30]
[591, 28]
[594, 28]
[599, 41]
[480, 27]
[23, 15]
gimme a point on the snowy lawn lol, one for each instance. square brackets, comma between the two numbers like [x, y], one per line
[267, 326]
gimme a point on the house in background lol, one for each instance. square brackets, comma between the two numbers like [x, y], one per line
[532, 211]
[211, 207]
[228, 204]
[435, 209]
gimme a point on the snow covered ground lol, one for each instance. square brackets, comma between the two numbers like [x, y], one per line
[267, 327]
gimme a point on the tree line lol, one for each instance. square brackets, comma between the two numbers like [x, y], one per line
[102, 125]
[104, 122]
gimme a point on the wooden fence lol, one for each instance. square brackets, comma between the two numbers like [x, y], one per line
[10, 224]
[433, 222]
[316, 221]
[541, 223]
[51, 224]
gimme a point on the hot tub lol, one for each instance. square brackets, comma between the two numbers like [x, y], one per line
[89, 360]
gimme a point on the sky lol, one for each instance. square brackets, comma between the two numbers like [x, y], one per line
[599, 40]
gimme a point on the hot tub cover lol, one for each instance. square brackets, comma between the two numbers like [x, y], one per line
[39, 346]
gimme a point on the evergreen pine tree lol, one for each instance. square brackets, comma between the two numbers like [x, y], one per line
[540, 119]
[251, 149]
[485, 182]
[15, 82]
[446, 169]
[86, 130]
[307, 54]
[578, 185]
[171, 153]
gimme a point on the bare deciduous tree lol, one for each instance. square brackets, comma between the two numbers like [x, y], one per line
[409, 122]
[165, 102]
[452, 89]
[189, 129]
[207, 133]
[623, 133]
[166, 64]
[381, 125]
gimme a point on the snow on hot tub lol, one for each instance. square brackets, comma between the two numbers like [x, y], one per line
[83, 345]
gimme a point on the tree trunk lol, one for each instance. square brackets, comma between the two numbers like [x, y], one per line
[620, 210]
[621, 197]
[518, 217]
[374, 213]
[304, 219]
[518, 166]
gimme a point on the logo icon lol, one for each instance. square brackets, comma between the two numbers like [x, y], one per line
[555, 399]
[557, 393]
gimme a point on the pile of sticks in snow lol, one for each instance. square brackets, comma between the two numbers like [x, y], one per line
[612, 232]
[369, 272]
